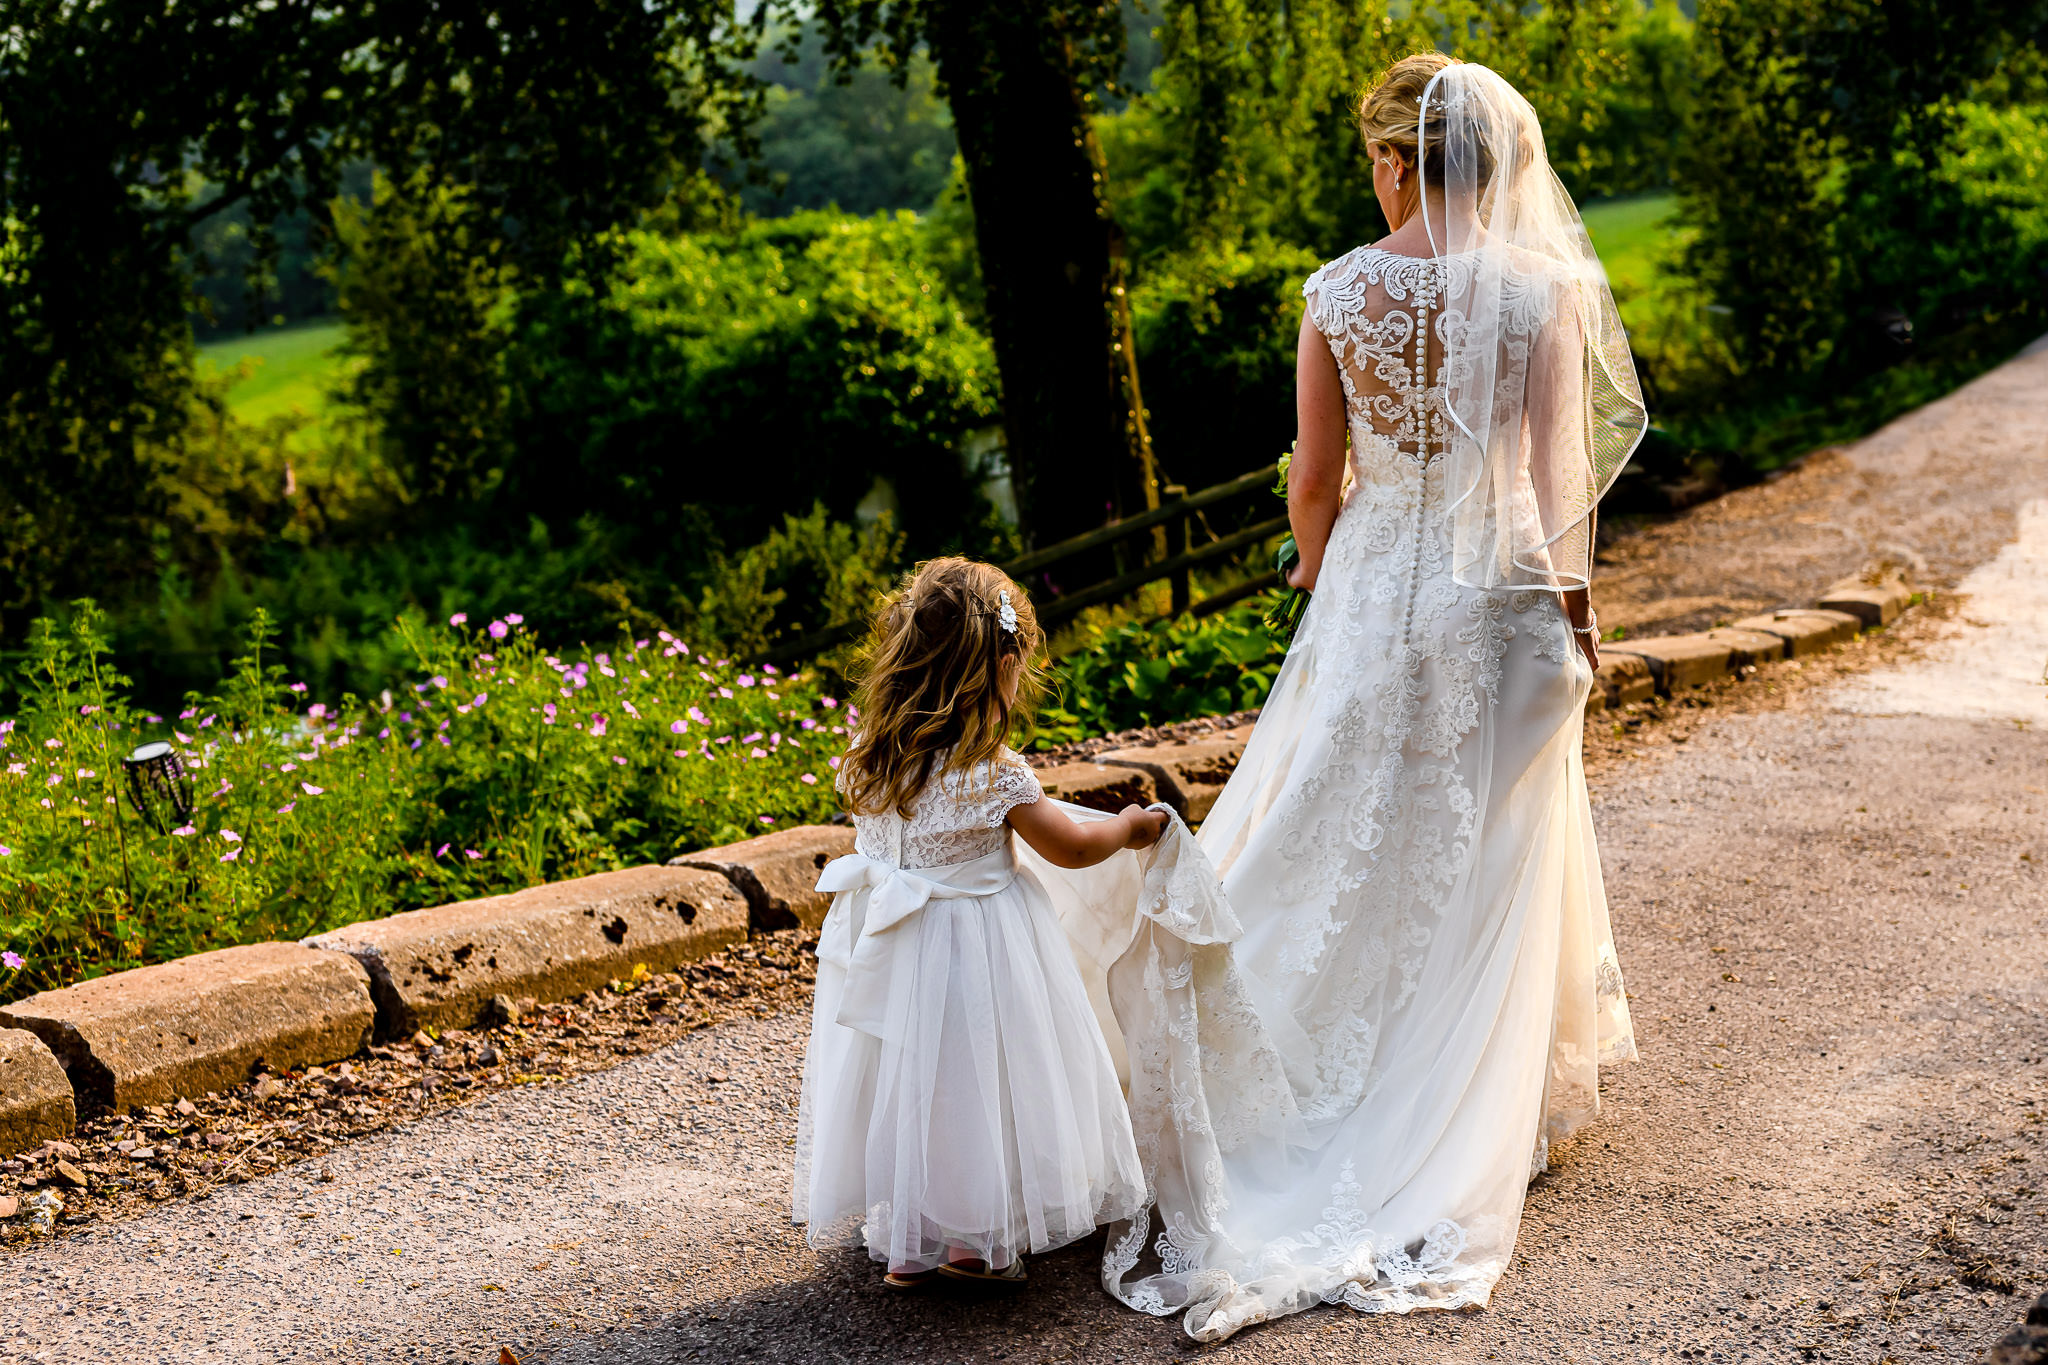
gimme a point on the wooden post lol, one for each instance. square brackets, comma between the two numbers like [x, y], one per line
[1177, 543]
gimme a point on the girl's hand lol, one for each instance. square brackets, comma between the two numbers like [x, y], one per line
[1147, 826]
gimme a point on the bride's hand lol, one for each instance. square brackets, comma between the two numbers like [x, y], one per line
[1301, 576]
[1578, 611]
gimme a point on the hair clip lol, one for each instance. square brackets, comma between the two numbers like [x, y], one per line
[1006, 615]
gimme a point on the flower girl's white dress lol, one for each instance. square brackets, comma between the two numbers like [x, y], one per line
[958, 1092]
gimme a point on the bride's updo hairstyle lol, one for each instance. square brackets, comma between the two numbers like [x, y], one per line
[1391, 110]
[930, 694]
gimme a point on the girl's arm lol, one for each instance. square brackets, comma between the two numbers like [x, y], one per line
[1315, 477]
[1067, 843]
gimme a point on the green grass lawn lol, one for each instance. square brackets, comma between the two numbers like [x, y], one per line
[1627, 234]
[292, 369]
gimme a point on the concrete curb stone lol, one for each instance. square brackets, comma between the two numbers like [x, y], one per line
[439, 967]
[1748, 647]
[1805, 630]
[1680, 661]
[778, 873]
[1623, 678]
[1099, 787]
[35, 1094]
[1874, 604]
[200, 1023]
[1189, 773]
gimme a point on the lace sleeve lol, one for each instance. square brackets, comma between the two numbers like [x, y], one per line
[1010, 785]
[1312, 293]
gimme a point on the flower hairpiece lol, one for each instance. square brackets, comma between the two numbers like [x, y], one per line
[1006, 615]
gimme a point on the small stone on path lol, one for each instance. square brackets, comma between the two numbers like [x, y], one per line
[71, 1175]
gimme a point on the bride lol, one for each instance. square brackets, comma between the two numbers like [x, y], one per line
[1407, 840]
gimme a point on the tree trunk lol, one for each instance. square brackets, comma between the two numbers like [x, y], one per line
[1052, 266]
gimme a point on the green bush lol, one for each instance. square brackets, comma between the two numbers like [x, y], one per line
[1216, 346]
[797, 360]
[1154, 673]
[500, 766]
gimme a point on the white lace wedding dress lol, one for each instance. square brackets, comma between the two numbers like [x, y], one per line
[1408, 844]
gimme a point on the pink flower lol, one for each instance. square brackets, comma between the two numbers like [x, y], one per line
[230, 836]
[479, 699]
[298, 687]
[317, 710]
[513, 618]
[190, 712]
[231, 855]
[471, 854]
[809, 779]
[758, 753]
[834, 760]
[745, 680]
[827, 701]
[12, 960]
[630, 710]
[309, 789]
[439, 851]
[597, 724]
[5, 851]
[676, 727]
[439, 680]
[749, 739]
[767, 819]
[620, 761]
[769, 669]
[184, 830]
[286, 808]
[725, 692]
[288, 767]
[699, 717]
[498, 629]
[547, 713]
[458, 618]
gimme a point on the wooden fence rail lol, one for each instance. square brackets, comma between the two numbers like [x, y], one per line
[1176, 514]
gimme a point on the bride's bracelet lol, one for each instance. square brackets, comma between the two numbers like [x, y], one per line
[1592, 626]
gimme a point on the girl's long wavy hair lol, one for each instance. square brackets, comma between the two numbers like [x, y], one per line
[930, 695]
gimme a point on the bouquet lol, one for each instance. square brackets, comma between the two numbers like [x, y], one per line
[1288, 604]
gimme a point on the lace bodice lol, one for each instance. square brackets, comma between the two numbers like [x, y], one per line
[958, 816]
[1386, 318]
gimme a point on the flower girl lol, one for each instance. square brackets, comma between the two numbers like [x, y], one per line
[960, 1107]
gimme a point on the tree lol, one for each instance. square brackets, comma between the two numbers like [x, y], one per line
[1022, 83]
[1804, 110]
[555, 122]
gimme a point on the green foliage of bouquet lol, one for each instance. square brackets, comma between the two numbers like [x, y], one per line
[1288, 604]
[501, 766]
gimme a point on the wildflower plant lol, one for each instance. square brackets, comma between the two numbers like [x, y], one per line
[499, 765]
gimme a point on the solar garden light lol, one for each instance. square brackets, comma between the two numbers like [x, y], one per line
[159, 786]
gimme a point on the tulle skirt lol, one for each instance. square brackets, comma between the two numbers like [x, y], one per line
[990, 1121]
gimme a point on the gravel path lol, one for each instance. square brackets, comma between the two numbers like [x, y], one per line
[1830, 913]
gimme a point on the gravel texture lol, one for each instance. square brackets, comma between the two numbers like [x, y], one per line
[1830, 919]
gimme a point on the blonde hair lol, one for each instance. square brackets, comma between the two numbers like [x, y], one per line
[930, 695]
[1390, 111]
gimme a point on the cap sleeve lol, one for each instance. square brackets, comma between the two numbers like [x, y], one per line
[1011, 784]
